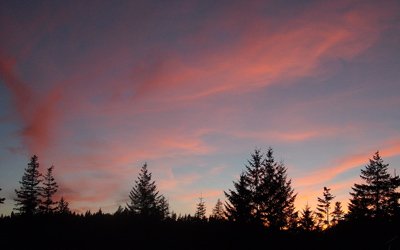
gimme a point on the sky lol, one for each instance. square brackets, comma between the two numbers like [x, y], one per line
[98, 88]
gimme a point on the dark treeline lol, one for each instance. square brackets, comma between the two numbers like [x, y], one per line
[258, 213]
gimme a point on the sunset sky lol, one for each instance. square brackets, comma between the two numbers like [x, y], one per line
[98, 88]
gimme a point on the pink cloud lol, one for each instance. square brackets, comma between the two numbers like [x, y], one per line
[346, 163]
[38, 115]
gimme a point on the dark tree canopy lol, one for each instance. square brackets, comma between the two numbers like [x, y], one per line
[377, 196]
[63, 207]
[238, 205]
[263, 194]
[49, 189]
[337, 213]
[28, 196]
[324, 207]
[307, 220]
[145, 200]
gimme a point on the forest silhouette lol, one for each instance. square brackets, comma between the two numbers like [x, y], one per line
[258, 213]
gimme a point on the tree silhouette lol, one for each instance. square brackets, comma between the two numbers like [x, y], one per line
[49, 189]
[145, 200]
[28, 197]
[338, 213]
[255, 173]
[218, 212]
[2, 199]
[63, 207]
[307, 220]
[238, 205]
[263, 194]
[377, 196]
[276, 194]
[200, 209]
[162, 207]
[324, 207]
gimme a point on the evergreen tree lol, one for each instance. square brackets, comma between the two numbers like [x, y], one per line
[307, 220]
[255, 173]
[218, 212]
[337, 214]
[377, 196]
[2, 199]
[324, 207]
[238, 205]
[145, 200]
[49, 189]
[263, 194]
[28, 196]
[163, 207]
[276, 194]
[200, 209]
[63, 207]
[394, 197]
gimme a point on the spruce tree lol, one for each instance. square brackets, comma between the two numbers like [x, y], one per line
[145, 200]
[238, 205]
[218, 212]
[263, 194]
[307, 220]
[200, 209]
[338, 213]
[377, 196]
[2, 199]
[255, 173]
[49, 189]
[63, 207]
[28, 196]
[324, 207]
[276, 194]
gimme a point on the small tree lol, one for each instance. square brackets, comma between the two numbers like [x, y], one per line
[28, 196]
[63, 207]
[1, 199]
[145, 200]
[200, 209]
[307, 221]
[49, 189]
[218, 212]
[337, 214]
[323, 208]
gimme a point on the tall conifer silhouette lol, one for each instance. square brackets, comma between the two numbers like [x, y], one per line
[377, 196]
[239, 201]
[145, 200]
[324, 208]
[49, 189]
[28, 196]
[200, 209]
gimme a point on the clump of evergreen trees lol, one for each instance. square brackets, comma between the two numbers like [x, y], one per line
[263, 195]
[36, 193]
